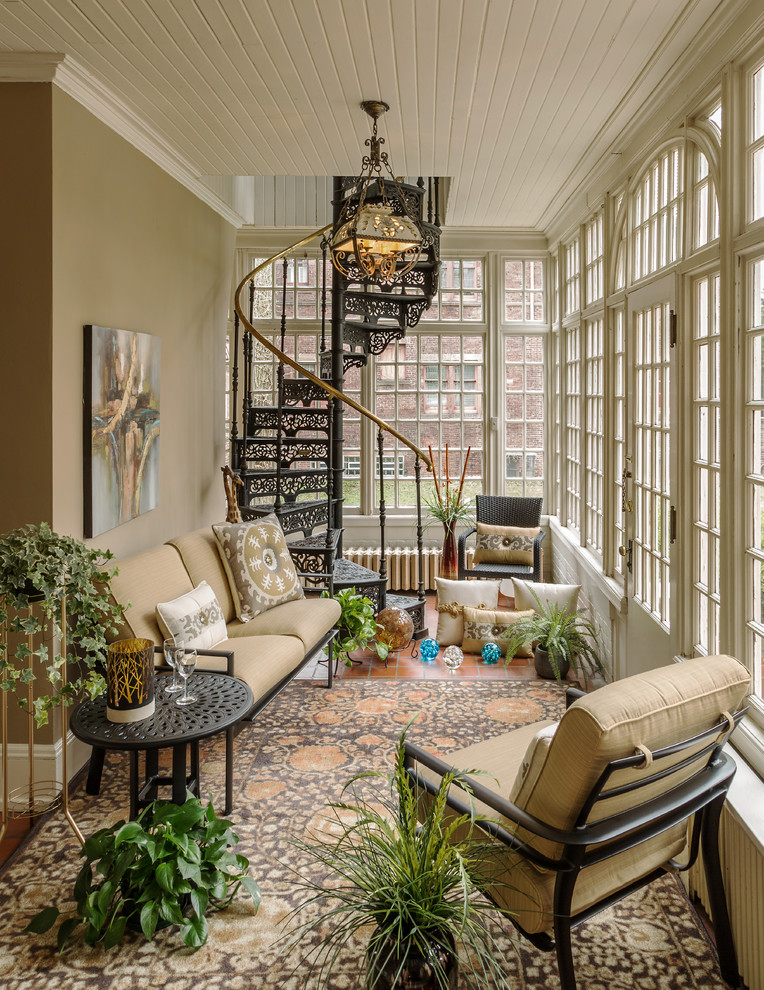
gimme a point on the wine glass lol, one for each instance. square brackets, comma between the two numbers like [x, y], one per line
[185, 663]
[170, 646]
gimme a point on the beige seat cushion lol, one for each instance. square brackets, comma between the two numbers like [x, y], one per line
[261, 661]
[308, 620]
[199, 552]
[155, 575]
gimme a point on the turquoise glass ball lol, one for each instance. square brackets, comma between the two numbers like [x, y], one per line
[491, 653]
[429, 649]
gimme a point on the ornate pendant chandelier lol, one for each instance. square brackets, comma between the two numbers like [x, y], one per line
[381, 240]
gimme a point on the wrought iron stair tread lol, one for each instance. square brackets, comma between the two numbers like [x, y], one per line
[348, 572]
[287, 508]
[317, 541]
[286, 472]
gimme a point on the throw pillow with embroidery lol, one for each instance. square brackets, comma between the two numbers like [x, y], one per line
[258, 565]
[504, 544]
[194, 620]
[452, 596]
[482, 626]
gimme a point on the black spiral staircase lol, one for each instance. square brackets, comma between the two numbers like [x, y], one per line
[289, 456]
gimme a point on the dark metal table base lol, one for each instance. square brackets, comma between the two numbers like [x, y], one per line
[222, 702]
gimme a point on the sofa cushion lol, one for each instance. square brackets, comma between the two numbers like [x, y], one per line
[309, 620]
[452, 596]
[143, 580]
[482, 626]
[565, 596]
[504, 544]
[194, 619]
[259, 567]
[201, 557]
[261, 661]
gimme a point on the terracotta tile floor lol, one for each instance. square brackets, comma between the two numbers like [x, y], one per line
[17, 829]
[403, 666]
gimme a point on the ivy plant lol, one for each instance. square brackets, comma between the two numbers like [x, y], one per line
[140, 873]
[37, 569]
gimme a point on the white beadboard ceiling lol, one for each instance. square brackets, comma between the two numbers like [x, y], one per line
[512, 99]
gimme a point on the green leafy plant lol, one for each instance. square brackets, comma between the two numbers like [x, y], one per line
[38, 564]
[357, 625]
[412, 868]
[138, 873]
[568, 637]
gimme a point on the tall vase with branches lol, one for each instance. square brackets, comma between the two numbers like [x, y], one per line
[449, 507]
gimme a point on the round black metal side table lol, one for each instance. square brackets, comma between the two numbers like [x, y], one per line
[222, 701]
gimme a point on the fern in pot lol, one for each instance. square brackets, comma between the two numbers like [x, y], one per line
[410, 871]
[563, 638]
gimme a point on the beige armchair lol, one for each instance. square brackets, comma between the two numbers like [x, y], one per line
[628, 786]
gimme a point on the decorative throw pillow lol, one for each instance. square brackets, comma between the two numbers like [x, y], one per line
[259, 568]
[533, 764]
[504, 544]
[195, 619]
[482, 626]
[452, 597]
[563, 595]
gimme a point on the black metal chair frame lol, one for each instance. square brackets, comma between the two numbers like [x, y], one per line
[590, 842]
[504, 510]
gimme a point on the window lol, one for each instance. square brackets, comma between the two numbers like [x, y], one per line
[524, 425]
[618, 330]
[572, 278]
[756, 145]
[657, 216]
[618, 223]
[593, 431]
[706, 482]
[524, 291]
[593, 247]
[460, 293]
[303, 295]
[652, 506]
[706, 205]
[430, 388]
[573, 427]
[755, 469]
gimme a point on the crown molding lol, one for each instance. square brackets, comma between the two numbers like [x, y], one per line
[74, 80]
[40, 67]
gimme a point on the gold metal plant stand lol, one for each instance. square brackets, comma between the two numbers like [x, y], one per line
[36, 797]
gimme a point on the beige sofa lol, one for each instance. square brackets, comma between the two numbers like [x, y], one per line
[268, 650]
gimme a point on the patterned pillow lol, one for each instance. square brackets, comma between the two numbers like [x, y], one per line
[452, 596]
[504, 544]
[195, 619]
[565, 596]
[481, 627]
[259, 568]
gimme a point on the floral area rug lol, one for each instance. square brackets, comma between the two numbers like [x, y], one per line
[289, 762]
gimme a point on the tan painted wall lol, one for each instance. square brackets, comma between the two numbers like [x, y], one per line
[94, 232]
[133, 249]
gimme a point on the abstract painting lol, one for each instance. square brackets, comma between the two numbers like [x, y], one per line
[121, 426]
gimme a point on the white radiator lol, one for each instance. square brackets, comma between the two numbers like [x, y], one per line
[743, 872]
[402, 565]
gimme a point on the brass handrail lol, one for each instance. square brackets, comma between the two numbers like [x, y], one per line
[335, 393]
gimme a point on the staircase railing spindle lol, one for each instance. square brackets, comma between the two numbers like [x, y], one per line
[280, 405]
[235, 395]
[382, 519]
[419, 529]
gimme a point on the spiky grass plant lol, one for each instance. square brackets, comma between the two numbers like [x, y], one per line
[411, 868]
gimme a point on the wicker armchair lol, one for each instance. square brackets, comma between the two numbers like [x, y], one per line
[504, 510]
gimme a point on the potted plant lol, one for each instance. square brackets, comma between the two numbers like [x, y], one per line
[563, 639]
[38, 568]
[450, 508]
[357, 625]
[410, 868]
[138, 875]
